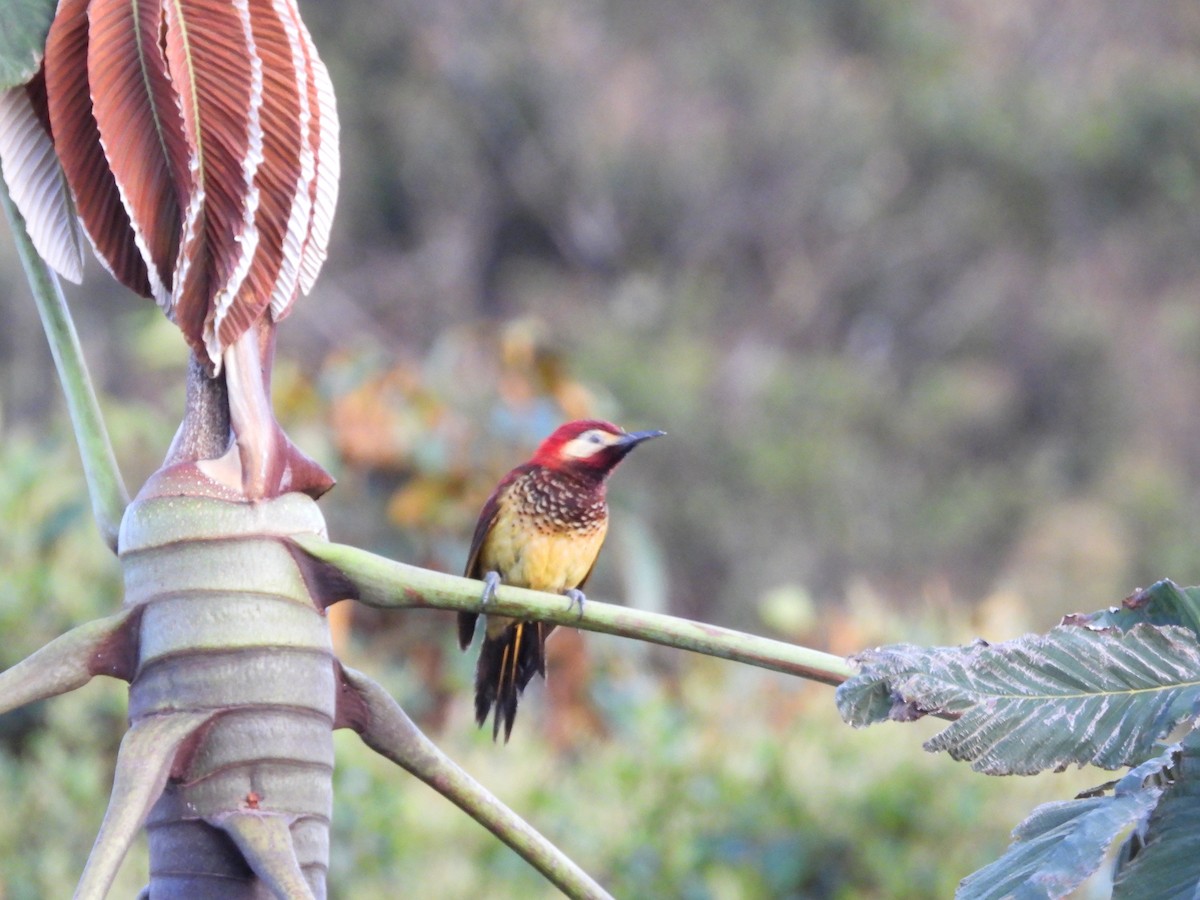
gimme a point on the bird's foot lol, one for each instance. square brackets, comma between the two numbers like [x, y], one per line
[491, 581]
[577, 598]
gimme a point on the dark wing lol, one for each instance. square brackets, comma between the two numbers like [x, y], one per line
[474, 569]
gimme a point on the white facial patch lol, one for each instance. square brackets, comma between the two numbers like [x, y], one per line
[589, 444]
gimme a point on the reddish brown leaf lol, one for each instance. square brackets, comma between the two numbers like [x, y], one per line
[77, 141]
[279, 176]
[210, 154]
[36, 181]
[209, 49]
[141, 129]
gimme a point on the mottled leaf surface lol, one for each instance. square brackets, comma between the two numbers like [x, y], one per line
[23, 28]
[1063, 843]
[872, 696]
[1165, 864]
[1163, 603]
[1038, 702]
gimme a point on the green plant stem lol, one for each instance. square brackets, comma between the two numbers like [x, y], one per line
[381, 582]
[105, 485]
[70, 661]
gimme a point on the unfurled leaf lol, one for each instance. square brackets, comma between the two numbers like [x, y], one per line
[140, 128]
[37, 184]
[1163, 603]
[77, 142]
[23, 28]
[1039, 702]
[1166, 859]
[1061, 844]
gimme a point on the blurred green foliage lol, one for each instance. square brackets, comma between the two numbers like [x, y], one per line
[709, 780]
[911, 285]
[907, 283]
[731, 784]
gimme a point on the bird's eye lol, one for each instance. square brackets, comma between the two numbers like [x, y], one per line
[593, 437]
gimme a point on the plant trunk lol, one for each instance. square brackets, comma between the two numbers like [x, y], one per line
[228, 625]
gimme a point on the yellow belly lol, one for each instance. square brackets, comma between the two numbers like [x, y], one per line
[530, 555]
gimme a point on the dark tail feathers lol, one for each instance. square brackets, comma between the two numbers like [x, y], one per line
[466, 629]
[506, 663]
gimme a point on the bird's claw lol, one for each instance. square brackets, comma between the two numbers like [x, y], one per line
[491, 581]
[577, 598]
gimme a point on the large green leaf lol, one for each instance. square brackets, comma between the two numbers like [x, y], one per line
[1039, 702]
[1062, 843]
[23, 28]
[1166, 862]
[1163, 603]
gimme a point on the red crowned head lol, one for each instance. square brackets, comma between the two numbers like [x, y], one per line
[589, 446]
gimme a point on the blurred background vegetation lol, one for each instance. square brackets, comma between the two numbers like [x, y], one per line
[913, 288]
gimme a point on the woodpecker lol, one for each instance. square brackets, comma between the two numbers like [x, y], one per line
[542, 528]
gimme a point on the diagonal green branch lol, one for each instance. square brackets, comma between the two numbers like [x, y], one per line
[388, 730]
[103, 647]
[337, 571]
[105, 485]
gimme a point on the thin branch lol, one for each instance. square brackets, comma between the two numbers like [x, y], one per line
[348, 572]
[105, 485]
[103, 647]
[388, 730]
